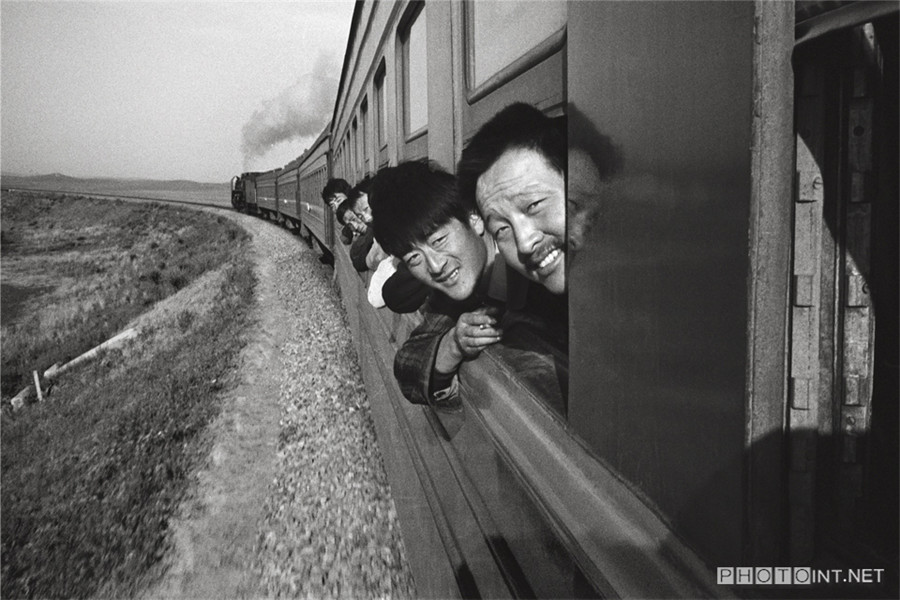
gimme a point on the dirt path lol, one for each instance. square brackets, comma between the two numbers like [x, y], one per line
[294, 499]
[215, 537]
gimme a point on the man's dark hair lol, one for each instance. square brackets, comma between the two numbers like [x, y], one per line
[363, 187]
[335, 186]
[342, 210]
[410, 201]
[518, 126]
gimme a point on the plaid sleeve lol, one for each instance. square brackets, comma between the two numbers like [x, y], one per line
[415, 360]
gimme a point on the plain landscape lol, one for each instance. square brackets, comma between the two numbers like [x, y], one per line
[176, 189]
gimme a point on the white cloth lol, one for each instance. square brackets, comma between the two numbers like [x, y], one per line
[386, 268]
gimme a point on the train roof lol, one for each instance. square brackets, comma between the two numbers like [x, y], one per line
[354, 25]
[326, 133]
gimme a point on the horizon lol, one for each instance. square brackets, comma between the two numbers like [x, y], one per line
[103, 177]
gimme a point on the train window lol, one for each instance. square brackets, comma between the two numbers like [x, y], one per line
[351, 152]
[502, 36]
[415, 73]
[364, 134]
[380, 115]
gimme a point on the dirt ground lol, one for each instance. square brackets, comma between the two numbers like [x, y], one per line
[216, 534]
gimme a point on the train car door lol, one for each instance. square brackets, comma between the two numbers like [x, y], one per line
[843, 412]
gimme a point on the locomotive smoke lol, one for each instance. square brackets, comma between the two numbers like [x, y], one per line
[300, 110]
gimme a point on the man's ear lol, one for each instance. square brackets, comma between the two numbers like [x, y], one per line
[476, 223]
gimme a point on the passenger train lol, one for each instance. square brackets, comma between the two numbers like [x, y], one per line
[730, 394]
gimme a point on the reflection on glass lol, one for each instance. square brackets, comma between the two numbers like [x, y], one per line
[416, 76]
[381, 118]
[504, 31]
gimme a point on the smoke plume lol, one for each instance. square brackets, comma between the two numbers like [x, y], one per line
[300, 110]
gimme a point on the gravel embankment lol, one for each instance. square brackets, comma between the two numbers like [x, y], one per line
[295, 500]
[330, 526]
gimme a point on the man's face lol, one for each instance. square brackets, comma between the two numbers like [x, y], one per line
[451, 259]
[523, 202]
[362, 210]
[335, 200]
[354, 222]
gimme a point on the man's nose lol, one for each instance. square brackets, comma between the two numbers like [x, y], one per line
[527, 237]
[435, 262]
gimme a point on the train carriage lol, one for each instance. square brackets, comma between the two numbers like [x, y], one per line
[313, 175]
[479, 491]
[678, 446]
[266, 193]
[287, 185]
[729, 397]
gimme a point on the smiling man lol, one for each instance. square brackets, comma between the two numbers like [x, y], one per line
[514, 168]
[418, 217]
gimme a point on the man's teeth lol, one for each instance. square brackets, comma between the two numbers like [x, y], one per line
[549, 258]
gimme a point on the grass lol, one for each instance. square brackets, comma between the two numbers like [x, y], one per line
[106, 263]
[91, 477]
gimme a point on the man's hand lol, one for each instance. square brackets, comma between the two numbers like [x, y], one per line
[474, 331]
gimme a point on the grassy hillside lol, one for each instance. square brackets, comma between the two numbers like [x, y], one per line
[91, 476]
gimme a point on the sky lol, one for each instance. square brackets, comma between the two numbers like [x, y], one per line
[165, 90]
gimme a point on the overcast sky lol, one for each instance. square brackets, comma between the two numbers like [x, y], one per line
[179, 90]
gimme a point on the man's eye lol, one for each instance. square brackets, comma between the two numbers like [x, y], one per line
[501, 231]
[534, 206]
[414, 260]
[439, 241]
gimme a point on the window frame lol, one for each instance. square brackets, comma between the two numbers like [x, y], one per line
[364, 134]
[381, 120]
[550, 45]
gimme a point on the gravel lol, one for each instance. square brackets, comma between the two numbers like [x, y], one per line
[329, 526]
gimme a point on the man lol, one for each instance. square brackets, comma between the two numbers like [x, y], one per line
[363, 244]
[418, 217]
[335, 192]
[351, 225]
[515, 169]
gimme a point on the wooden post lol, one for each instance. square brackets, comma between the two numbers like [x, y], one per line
[37, 386]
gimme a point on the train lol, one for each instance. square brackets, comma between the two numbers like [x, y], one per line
[729, 401]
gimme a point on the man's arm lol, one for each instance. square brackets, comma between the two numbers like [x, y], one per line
[359, 249]
[430, 357]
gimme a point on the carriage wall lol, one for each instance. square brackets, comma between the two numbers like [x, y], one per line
[313, 174]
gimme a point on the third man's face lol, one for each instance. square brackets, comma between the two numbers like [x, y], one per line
[362, 210]
[523, 201]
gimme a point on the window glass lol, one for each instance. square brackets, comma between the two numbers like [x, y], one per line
[504, 31]
[364, 133]
[381, 116]
[356, 157]
[416, 74]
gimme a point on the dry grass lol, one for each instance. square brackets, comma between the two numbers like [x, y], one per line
[91, 477]
[105, 261]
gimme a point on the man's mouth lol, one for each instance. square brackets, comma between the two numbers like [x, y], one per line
[543, 262]
[449, 277]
